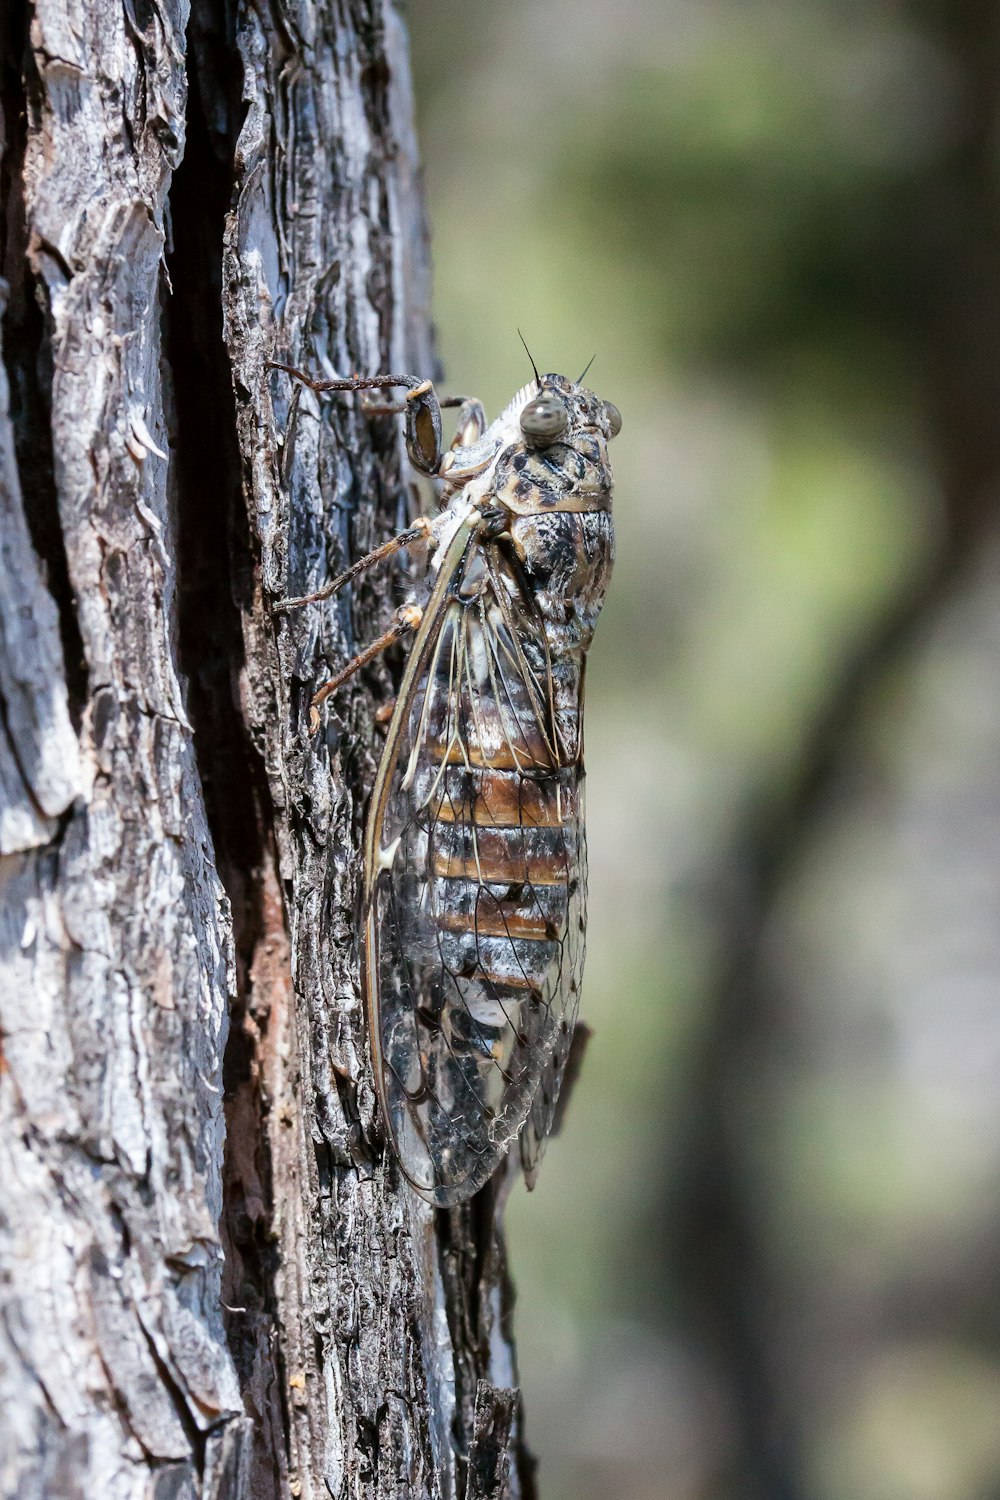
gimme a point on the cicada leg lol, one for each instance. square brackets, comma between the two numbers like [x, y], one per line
[471, 421]
[400, 408]
[408, 617]
[421, 407]
[420, 531]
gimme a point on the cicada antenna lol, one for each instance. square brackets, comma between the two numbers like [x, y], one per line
[538, 378]
[590, 361]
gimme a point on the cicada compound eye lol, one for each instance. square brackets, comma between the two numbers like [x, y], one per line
[614, 417]
[544, 419]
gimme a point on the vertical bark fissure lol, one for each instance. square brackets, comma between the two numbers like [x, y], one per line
[27, 349]
[215, 589]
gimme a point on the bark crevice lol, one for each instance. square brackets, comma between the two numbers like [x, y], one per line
[215, 590]
[27, 345]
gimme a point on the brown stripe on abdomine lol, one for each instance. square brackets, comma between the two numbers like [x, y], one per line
[517, 910]
[493, 798]
[494, 855]
[497, 848]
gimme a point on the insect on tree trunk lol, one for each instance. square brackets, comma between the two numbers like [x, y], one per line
[212, 1282]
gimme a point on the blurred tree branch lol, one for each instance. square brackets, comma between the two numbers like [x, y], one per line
[941, 267]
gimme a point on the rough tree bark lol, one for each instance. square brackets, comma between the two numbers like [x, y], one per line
[213, 1282]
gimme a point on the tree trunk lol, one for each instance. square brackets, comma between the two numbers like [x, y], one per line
[213, 1281]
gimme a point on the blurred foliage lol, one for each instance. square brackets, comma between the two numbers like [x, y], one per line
[763, 217]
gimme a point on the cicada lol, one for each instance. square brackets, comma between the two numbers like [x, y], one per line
[475, 871]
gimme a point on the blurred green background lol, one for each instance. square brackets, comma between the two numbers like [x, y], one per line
[762, 1259]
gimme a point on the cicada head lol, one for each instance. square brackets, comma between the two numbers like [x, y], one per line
[556, 456]
[558, 408]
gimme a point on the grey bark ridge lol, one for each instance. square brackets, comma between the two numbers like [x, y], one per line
[115, 942]
[186, 1311]
[489, 1456]
[326, 265]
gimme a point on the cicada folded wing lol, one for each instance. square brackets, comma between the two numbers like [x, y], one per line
[475, 932]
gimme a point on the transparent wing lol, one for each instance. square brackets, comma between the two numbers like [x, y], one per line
[475, 929]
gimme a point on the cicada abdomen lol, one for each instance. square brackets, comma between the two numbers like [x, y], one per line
[475, 850]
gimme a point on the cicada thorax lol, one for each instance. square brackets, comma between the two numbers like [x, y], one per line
[567, 558]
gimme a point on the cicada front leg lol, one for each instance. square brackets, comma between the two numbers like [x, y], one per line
[471, 421]
[471, 424]
[423, 412]
[421, 407]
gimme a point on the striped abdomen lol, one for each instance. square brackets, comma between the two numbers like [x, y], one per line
[502, 859]
[501, 821]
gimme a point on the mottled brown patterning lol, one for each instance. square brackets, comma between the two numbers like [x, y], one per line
[475, 854]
